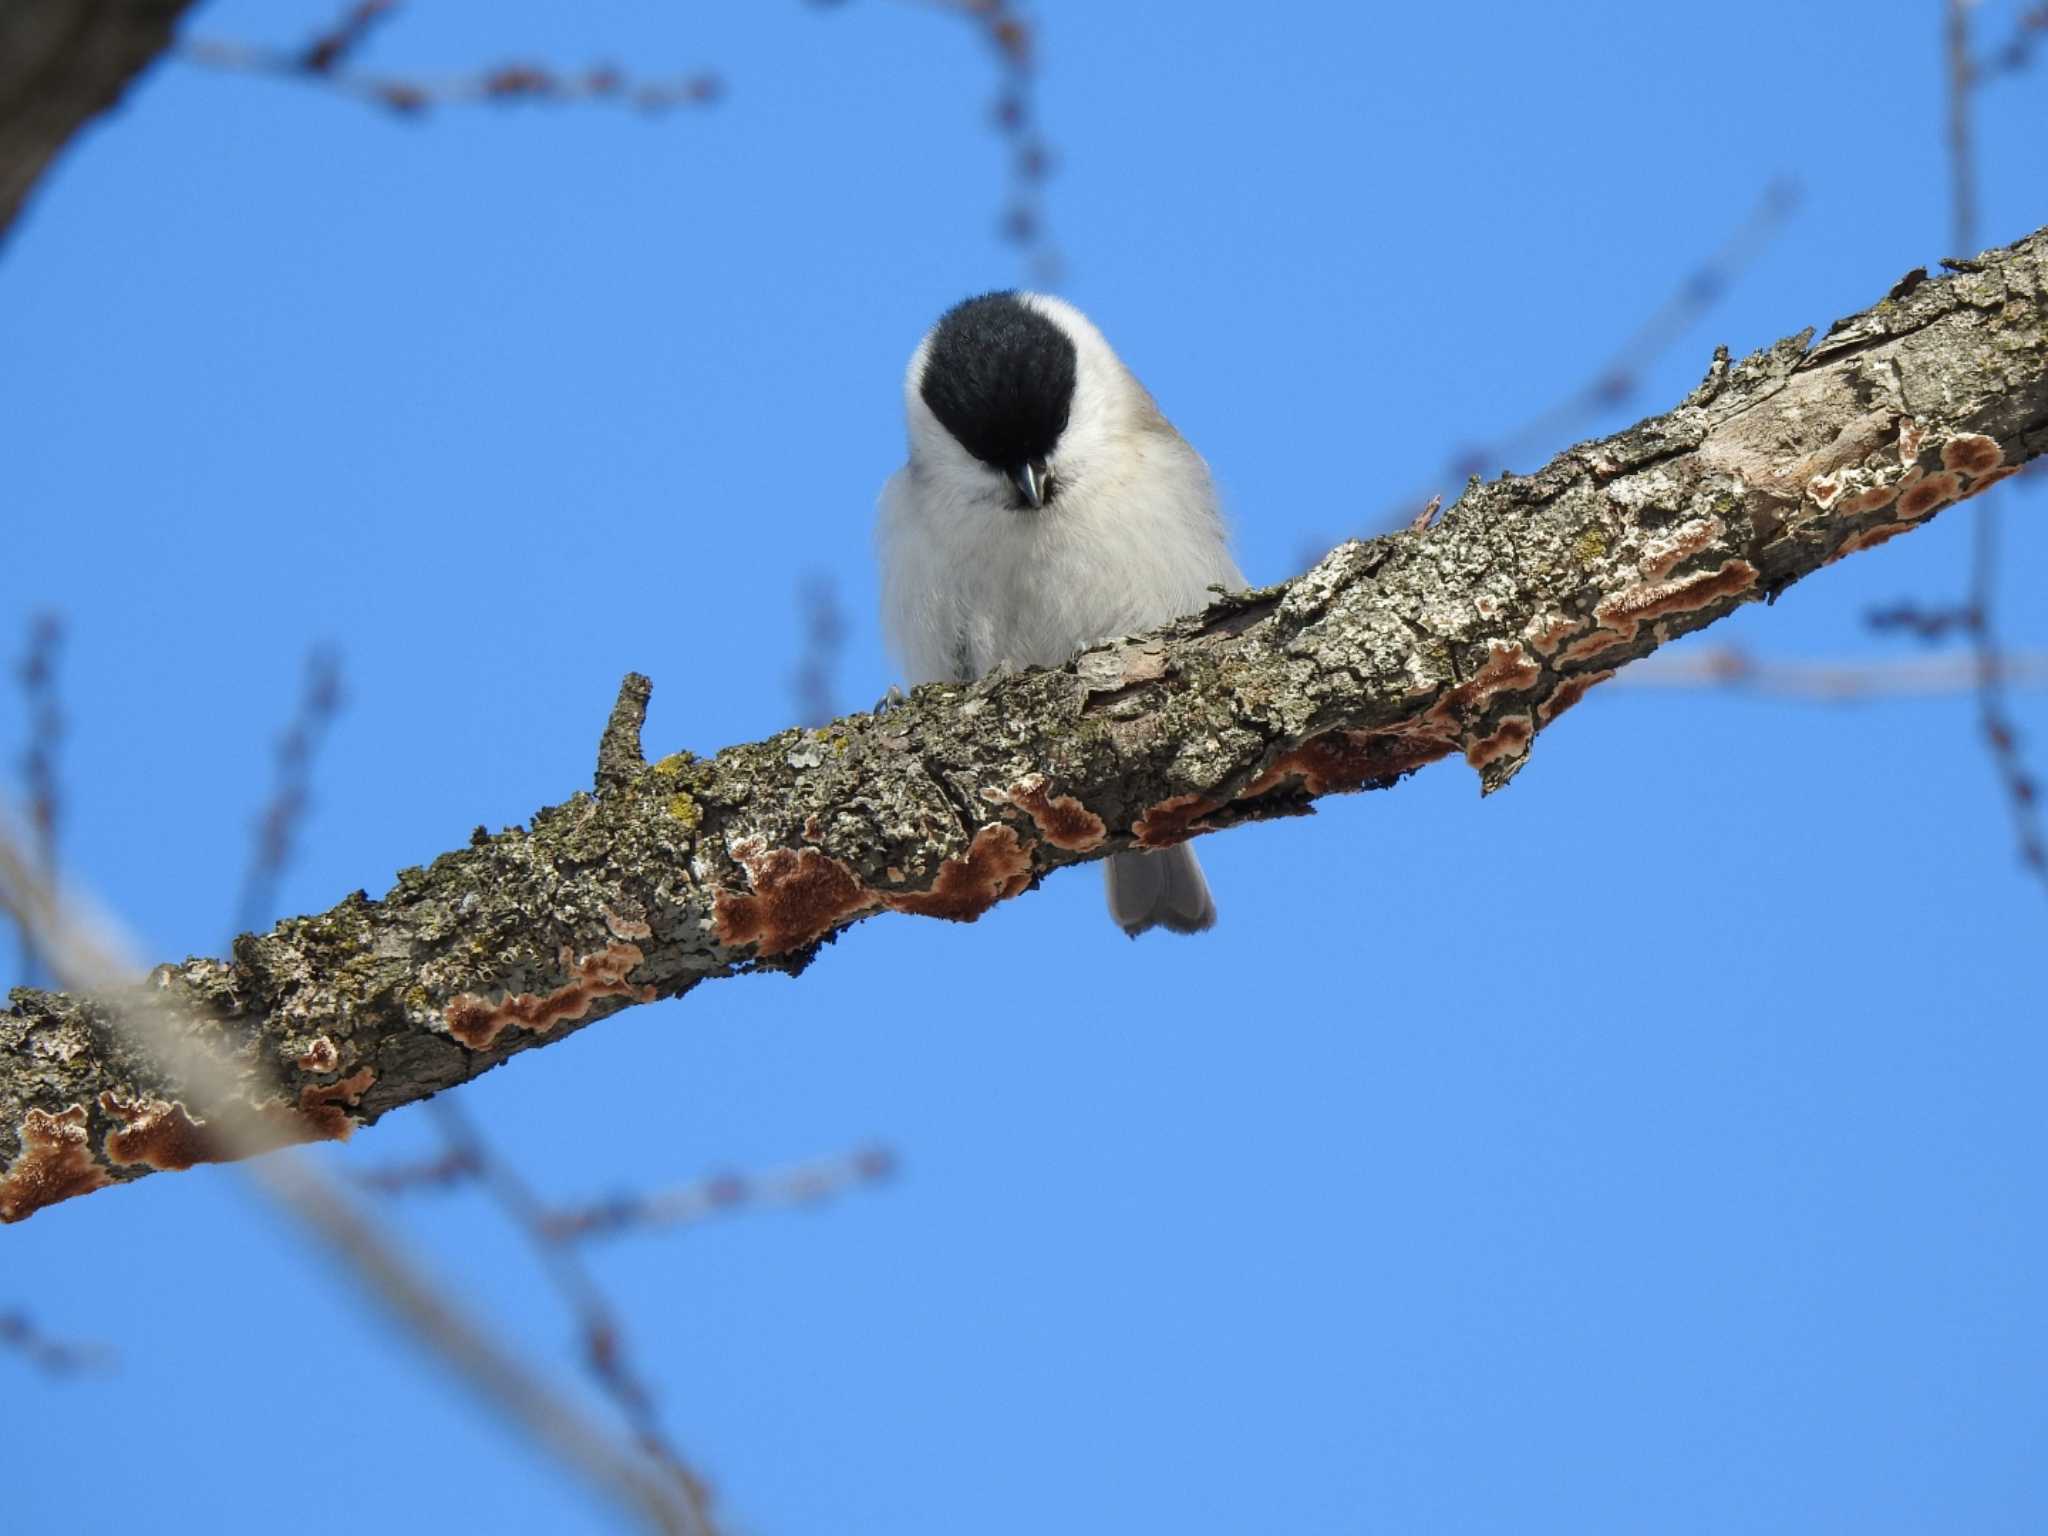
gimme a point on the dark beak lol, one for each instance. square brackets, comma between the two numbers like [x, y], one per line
[1031, 481]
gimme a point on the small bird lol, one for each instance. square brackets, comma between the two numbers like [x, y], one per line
[1047, 505]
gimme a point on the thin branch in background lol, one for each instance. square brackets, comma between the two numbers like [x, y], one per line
[329, 50]
[53, 1357]
[326, 60]
[2016, 54]
[452, 1167]
[602, 1339]
[825, 631]
[1917, 621]
[277, 829]
[84, 958]
[37, 674]
[1621, 378]
[467, 1158]
[553, 1231]
[1014, 38]
[802, 1184]
[1962, 160]
[1828, 682]
[1994, 720]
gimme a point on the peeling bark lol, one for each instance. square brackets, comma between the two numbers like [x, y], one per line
[1462, 639]
[62, 63]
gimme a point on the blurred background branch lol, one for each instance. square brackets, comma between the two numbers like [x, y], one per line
[1996, 726]
[1828, 682]
[53, 1356]
[814, 684]
[1618, 383]
[37, 675]
[87, 960]
[282, 820]
[328, 59]
[721, 1194]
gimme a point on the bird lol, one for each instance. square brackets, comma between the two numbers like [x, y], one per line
[1047, 504]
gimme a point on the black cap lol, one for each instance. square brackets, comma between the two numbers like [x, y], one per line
[1000, 377]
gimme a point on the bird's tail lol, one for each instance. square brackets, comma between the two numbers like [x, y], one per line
[1160, 888]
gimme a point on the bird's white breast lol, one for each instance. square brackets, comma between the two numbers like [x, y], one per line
[972, 584]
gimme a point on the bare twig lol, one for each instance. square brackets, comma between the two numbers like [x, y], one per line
[1014, 38]
[446, 1170]
[51, 1356]
[1828, 682]
[325, 60]
[37, 674]
[86, 961]
[320, 700]
[551, 1232]
[468, 1157]
[603, 1340]
[824, 624]
[1994, 720]
[722, 1194]
[1918, 621]
[328, 50]
[1620, 378]
[1962, 165]
[2016, 54]
[468, 1160]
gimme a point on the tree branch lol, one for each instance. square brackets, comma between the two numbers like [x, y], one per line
[1463, 639]
[62, 63]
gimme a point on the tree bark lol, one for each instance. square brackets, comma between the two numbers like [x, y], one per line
[62, 63]
[1463, 640]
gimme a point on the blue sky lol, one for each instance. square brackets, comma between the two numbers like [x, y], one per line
[1653, 1146]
